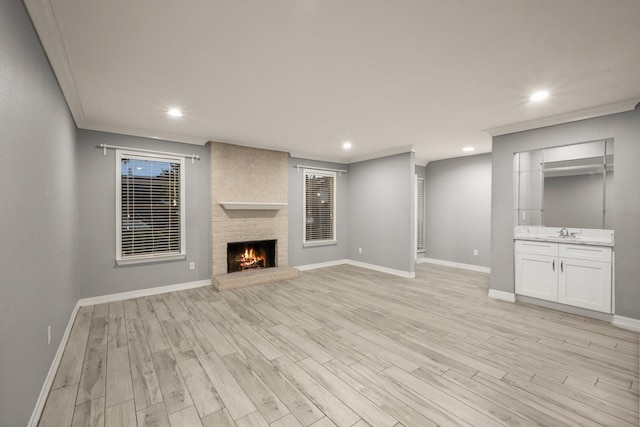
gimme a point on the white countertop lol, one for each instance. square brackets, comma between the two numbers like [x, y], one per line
[578, 236]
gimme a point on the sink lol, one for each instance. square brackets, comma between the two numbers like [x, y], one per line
[585, 240]
[576, 236]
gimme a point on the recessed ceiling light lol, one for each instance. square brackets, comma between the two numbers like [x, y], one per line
[468, 149]
[174, 112]
[346, 145]
[539, 95]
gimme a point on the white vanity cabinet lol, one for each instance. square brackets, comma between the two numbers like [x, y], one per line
[585, 277]
[536, 269]
[578, 275]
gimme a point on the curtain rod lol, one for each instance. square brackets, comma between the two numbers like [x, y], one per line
[341, 171]
[104, 147]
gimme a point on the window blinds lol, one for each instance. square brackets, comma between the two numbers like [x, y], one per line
[150, 206]
[420, 215]
[319, 206]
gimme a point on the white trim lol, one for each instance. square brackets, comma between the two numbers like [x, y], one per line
[132, 153]
[149, 259]
[322, 264]
[626, 323]
[341, 160]
[334, 196]
[252, 206]
[471, 267]
[319, 243]
[142, 293]
[400, 273]
[384, 153]
[48, 381]
[155, 135]
[43, 16]
[502, 295]
[573, 116]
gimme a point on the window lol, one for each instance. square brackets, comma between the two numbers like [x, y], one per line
[149, 208]
[420, 214]
[319, 207]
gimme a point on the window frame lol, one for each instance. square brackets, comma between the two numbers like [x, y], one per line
[154, 257]
[325, 242]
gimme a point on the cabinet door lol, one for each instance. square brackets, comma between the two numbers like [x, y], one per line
[536, 276]
[585, 284]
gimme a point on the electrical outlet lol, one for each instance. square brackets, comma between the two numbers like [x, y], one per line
[192, 266]
[475, 252]
[524, 215]
[359, 250]
[49, 334]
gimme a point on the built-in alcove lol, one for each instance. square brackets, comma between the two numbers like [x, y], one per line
[566, 186]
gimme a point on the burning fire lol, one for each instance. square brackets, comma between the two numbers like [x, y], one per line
[249, 259]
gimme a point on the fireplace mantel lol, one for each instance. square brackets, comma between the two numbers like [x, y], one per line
[252, 206]
[249, 191]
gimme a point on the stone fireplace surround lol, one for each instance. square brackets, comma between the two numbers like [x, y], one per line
[259, 179]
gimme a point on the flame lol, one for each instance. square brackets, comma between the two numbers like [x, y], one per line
[250, 259]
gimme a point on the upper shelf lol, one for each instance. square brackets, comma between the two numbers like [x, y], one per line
[252, 206]
[576, 170]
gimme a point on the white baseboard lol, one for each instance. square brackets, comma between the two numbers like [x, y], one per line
[143, 293]
[626, 323]
[400, 273]
[471, 267]
[48, 381]
[46, 388]
[322, 264]
[502, 295]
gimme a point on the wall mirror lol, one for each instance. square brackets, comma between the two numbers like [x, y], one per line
[566, 186]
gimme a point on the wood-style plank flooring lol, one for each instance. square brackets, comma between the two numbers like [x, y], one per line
[343, 346]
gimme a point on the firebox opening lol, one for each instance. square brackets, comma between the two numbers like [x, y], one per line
[243, 256]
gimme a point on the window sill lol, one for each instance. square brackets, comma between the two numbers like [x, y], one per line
[150, 259]
[320, 243]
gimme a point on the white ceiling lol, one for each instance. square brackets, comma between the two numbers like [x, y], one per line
[305, 75]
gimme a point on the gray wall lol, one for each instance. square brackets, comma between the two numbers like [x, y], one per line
[38, 221]
[458, 214]
[376, 212]
[299, 255]
[382, 212]
[625, 128]
[99, 273]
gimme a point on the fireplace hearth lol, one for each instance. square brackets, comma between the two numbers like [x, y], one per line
[244, 256]
[250, 182]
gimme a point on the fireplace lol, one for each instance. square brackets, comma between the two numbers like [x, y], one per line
[243, 256]
[249, 194]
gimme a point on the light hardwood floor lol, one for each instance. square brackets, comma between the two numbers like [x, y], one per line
[343, 346]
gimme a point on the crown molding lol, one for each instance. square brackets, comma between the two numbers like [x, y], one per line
[43, 16]
[164, 136]
[573, 116]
